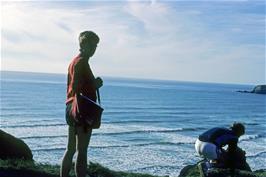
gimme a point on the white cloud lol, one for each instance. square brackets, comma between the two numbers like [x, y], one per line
[138, 39]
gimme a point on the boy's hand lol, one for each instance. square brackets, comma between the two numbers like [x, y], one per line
[98, 82]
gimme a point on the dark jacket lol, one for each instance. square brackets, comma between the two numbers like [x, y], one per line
[219, 136]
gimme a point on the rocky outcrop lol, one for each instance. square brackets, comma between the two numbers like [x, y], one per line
[259, 89]
[13, 148]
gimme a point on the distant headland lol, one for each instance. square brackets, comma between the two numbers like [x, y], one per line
[259, 89]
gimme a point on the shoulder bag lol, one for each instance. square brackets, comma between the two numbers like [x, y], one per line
[89, 112]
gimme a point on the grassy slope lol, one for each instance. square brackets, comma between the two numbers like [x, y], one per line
[17, 168]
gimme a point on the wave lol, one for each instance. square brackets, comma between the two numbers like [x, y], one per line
[251, 137]
[33, 125]
[149, 107]
[156, 167]
[251, 123]
[138, 121]
[143, 114]
[257, 154]
[50, 149]
[40, 137]
[116, 133]
[118, 146]
[38, 120]
[142, 144]
[151, 113]
[149, 131]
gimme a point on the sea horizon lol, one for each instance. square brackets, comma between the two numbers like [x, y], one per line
[136, 78]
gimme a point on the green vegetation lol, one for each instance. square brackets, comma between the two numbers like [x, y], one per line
[192, 171]
[16, 168]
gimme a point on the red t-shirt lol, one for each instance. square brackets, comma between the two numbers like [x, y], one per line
[80, 79]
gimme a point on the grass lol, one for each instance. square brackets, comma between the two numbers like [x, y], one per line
[192, 171]
[18, 167]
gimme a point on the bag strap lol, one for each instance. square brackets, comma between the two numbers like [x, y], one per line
[98, 96]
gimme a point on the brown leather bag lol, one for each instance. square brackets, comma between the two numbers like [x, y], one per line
[89, 113]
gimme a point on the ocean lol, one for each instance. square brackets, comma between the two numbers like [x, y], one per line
[148, 126]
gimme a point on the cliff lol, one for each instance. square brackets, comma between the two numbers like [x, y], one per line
[259, 89]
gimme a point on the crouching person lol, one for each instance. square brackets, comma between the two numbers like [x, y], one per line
[209, 144]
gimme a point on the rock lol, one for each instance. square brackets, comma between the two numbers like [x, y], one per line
[244, 91]
[13, 148]
[259, 89]
[188, 171]
[193, 171]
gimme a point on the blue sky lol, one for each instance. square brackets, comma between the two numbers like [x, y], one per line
[206, 41]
